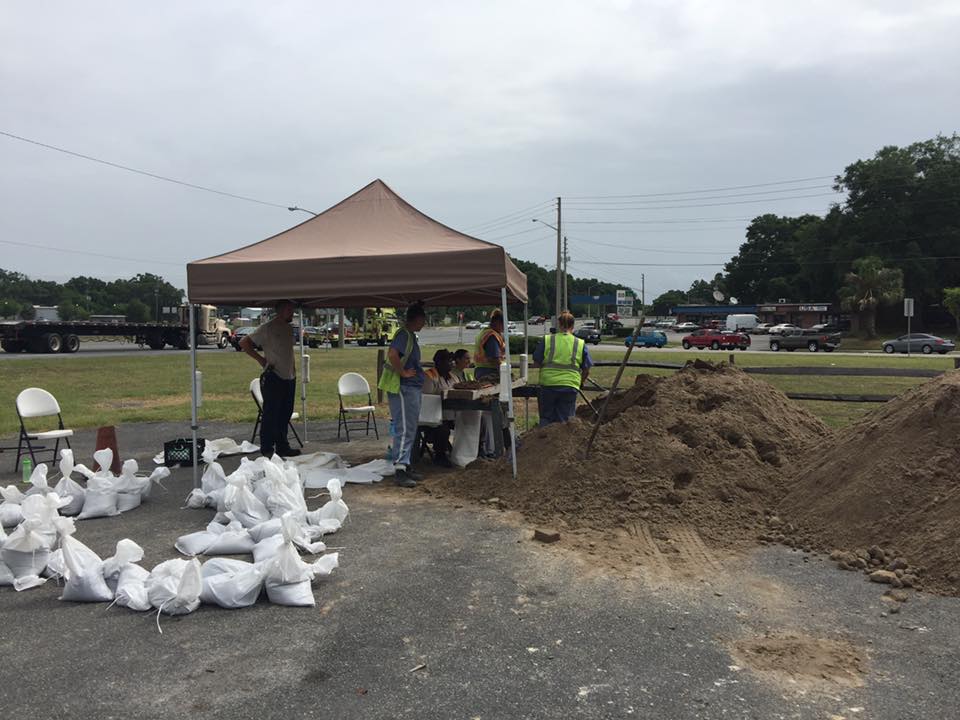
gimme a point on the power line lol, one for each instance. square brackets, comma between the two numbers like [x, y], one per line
[654, 250]
[684, 207]
[609, 204]
[511, 215]
[697, 192]
[145, 173]
[91, 254]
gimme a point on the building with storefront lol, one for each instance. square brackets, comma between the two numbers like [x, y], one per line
[800, 314]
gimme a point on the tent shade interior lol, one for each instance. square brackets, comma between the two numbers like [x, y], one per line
[371, 249]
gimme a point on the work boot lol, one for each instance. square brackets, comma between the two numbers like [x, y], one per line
[289, 452]
[402, 478]
[442, 461]
[417, 477]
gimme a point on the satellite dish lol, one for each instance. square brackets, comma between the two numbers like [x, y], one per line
[734, 301]
[718, 296]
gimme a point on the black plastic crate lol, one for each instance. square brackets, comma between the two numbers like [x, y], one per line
[178, 452]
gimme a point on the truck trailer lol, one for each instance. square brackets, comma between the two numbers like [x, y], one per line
[55, 336]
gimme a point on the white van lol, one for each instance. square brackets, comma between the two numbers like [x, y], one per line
[742, 322]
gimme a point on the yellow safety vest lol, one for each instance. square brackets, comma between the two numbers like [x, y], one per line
[480, 358]
[562, 360]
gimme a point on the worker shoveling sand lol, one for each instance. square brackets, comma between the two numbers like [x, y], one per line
[888, 490]
[706, 447]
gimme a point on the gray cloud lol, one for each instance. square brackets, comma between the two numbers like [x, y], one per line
[469, 112]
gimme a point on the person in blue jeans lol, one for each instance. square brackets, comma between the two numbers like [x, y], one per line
[404, 358]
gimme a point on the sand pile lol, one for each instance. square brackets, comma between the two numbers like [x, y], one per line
[706, 446]
[890, 482]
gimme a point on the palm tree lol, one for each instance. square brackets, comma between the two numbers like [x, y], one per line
[869, 285]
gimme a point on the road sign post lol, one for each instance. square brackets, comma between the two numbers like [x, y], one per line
[908, 314]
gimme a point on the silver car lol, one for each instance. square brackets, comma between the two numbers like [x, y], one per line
[919, 342]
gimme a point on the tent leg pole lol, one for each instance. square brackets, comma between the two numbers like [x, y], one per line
[513, 429]
[303, 380]
[526, 351]
[193, 393]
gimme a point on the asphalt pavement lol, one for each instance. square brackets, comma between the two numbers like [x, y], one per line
[443, 609]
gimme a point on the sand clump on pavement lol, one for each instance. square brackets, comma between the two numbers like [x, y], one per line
[706, 447]
[886, 495]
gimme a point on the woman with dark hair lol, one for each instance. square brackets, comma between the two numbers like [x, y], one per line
[439, 378]
[402, 379]
[461, 361]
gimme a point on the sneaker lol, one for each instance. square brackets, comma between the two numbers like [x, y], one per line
[415, 475]
[289, 452]
[403, 479]
[442, 461]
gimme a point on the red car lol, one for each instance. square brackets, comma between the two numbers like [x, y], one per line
[716, 340]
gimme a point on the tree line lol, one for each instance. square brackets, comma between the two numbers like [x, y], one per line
[137, 298]
[896, 234]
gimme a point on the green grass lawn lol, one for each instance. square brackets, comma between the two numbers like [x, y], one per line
[116, 390]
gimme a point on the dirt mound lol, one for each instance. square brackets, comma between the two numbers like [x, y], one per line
[702, 447]
[890, 480]
[802, 662]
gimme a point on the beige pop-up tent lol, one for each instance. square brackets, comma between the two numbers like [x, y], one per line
[371, 249]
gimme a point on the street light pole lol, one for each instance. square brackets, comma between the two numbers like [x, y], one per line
[295, 208]
[561, 268]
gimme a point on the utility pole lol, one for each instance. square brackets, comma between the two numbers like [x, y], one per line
[643, 299]
[559, 266]
[566, 275]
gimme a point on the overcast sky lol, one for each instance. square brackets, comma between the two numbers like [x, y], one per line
[471, 112]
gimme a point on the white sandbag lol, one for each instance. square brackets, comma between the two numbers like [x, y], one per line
[99, 503]
[155, 477]
[38, 481]
[265, 529]
[126, 553]
[214, 478]
[56, 568]
[284, 496]
[127, 501]
[68, 487]
[103, 458]
[241, 502]
[335, 508]
[10, 511]
[25, 553]
[131, 589]
[316, 460]
[321, 477]
[174, 586]
[326, 526]
[214, 499]
[232, 539]
[267, 548]
[42, 511]
[196, 499]
[287, 577]
[84, 576]
[324, 566]
[231, 583]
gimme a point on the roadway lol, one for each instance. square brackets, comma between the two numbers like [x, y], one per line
[451, 337]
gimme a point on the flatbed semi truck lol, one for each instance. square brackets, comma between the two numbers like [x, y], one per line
[55, 336]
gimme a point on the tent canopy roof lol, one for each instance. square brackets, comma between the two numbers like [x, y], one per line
[371, 249]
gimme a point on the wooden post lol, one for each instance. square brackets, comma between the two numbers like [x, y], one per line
[381, 359]
[733, 359]
[956, 363]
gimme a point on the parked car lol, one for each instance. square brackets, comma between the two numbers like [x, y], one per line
[686, 327]
[664, 324]
[589, 324]
[790, 340]
[760, 329]
[535, 320]
[312, 336]
[716, 340]
[919, 342]
[237, 335]
[589, 335]
[473, 325]
[825, 327]
[647, 338]
[779, 329]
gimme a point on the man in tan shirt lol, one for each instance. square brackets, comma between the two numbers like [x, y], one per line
[278, 382]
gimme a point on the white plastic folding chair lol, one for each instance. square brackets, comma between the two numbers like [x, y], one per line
[257, 394]
[37, 403]
[349, 385]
